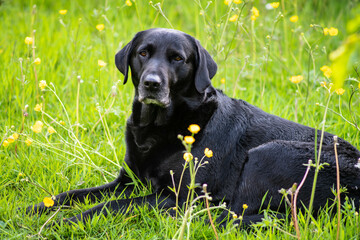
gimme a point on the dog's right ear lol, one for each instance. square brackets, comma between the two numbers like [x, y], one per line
[122, 59]
[206, 68]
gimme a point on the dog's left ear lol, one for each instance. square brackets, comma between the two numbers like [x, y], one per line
[122, 59]
[206, 69]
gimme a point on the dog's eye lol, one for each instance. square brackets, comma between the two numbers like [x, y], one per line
[178, 58]
[143, 53]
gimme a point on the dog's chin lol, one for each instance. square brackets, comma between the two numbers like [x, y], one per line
[152, 101]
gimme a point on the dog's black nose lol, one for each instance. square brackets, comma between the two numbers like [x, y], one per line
[152, 82]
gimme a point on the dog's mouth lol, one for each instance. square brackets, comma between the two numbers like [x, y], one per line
[151, 100]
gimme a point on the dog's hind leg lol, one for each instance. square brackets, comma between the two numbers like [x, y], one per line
[279, 164]
[119, 186]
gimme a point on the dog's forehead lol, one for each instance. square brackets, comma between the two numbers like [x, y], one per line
[167, 38]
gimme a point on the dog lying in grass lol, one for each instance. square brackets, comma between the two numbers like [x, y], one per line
[254, 153]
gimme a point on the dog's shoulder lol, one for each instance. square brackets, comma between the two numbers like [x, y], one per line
[234, 109]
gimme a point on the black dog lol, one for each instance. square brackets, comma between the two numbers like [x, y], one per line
[255, 153]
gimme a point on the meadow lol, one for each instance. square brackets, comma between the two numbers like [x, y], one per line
[63, 107]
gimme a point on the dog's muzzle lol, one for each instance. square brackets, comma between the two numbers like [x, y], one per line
[152, 90]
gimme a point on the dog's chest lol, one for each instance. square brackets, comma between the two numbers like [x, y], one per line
[146, 139]
[151, 144]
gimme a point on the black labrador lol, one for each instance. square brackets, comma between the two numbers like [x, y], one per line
[255, 153]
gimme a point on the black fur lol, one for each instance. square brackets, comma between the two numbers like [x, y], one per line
[255, 153]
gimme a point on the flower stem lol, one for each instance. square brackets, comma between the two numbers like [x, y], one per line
[317, 160]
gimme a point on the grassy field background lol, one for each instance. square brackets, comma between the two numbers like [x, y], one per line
[88, 105]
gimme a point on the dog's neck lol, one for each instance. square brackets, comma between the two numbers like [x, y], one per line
[152, 114]
[149, 114]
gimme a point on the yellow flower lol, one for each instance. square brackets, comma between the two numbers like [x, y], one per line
[101, 63]
[42, 85]
[29, 40]
[245, 206]
[37, 61]
[37, 127]
[233, 18]
[38, 107]
[294, 18]
[227, 2]
[255, 13]
[333, 31]
[100, 27]
[15, 136]
[28, 142]
[188, 156]
[296, 79]
[275, 4]
[194, 128]
[235, 216]
[128, 3]
[48, 202]
[62, 122]
[208, 153]
[340, 91]
[323, 84]
[63, 11]
[326, 31]
[21, 174]
[326, 71]
[222, 80]
[189, 139]
[11, 139]
[359, 85]
[51, 130]
[5, 143]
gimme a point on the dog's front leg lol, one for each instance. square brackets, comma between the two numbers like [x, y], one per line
[122, 206]
[120, 186]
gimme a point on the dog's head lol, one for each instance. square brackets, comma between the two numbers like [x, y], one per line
[165, 62]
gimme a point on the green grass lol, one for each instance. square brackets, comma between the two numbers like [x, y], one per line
[82, 154]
